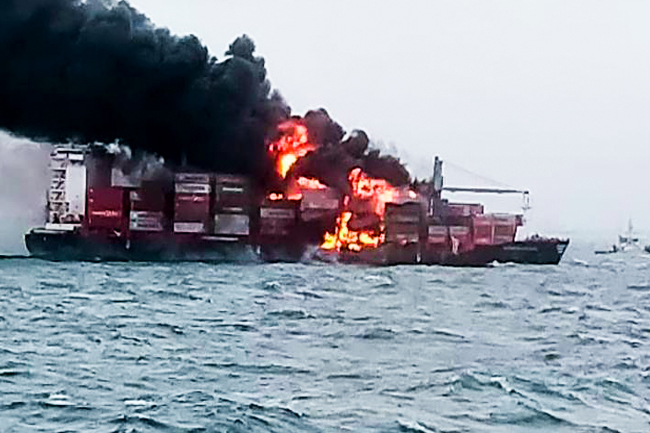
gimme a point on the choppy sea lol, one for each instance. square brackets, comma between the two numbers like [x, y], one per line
[325, 348]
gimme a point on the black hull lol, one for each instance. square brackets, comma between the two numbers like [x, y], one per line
[63, 246]
[71, 246]
[536, 252]
[544, 252]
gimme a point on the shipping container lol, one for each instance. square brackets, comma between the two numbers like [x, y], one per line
[146, 221]
[438, 234]
[278, 218]
[192, 188]
[232, 194]
[483, 228]
[196, 178]
[403, 222]
[460, 238]
[191, 207]
[320, 199]
[402, 237]
[407, 213]
[189, 227]
[106, 208]
[232, 224]
[495, 229]
[147, 199]
[464, 209]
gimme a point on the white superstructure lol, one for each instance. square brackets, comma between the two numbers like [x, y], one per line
[67, 193]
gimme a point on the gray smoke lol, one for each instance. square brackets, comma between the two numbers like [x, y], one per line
[24, 178]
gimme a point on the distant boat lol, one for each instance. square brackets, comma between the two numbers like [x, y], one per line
[627, 242]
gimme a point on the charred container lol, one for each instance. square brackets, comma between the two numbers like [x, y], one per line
[278, 229]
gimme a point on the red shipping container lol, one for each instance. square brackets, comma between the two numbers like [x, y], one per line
[437, 234]
[464, 209]
[192, 207]
[461, 239]
[106, 208]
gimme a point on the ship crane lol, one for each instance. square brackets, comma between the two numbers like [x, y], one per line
[524, 193]
[439, 188]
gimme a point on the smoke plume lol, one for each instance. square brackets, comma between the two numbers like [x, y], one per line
[99, 72]
[24, 176]
[337, 154]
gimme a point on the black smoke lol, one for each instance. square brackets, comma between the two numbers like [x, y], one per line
[336, 155]
[95, 71]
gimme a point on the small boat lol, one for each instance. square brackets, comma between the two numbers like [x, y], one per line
[627, 242]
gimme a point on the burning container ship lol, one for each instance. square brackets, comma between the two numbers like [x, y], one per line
[95, 212]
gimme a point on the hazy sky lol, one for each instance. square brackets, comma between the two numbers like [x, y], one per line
[552, 96]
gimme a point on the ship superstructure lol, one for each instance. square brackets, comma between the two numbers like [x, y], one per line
[66, 199]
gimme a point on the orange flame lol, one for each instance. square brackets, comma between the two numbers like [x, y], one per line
[344, 238]
[379, 192]
[309, 183]
[292, 145]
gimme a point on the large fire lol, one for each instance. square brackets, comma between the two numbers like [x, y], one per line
[345, 238]
[292, 145]
[366, 205]
[310, 183]
[377, 192]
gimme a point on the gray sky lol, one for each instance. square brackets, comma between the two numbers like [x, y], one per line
[553, 96]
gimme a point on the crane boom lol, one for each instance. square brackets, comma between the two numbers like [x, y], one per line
[484, 190]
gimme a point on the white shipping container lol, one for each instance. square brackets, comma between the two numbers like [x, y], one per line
[277, 213]
[143, 220]
[192, 188]
[233, 209]
[192, 178]
[184, 227]
[231, 224]
[146, 221]
[232, 189]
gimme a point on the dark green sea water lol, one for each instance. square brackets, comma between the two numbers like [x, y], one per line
[319, 348]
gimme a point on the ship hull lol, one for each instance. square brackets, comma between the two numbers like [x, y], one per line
[71, 246]
[544, 252]
[536, 252]
[63, 246]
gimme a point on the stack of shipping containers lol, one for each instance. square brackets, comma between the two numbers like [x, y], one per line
[278, 220]
[105, 205]
[192, 193]
[105, 213]
[232, 208]
[403, 227]
[278, 225]
[147, 211]
[494, 229]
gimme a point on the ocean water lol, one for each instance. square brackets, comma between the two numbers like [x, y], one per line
[326, 348]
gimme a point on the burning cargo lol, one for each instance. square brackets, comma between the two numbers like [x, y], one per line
[195, 215]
